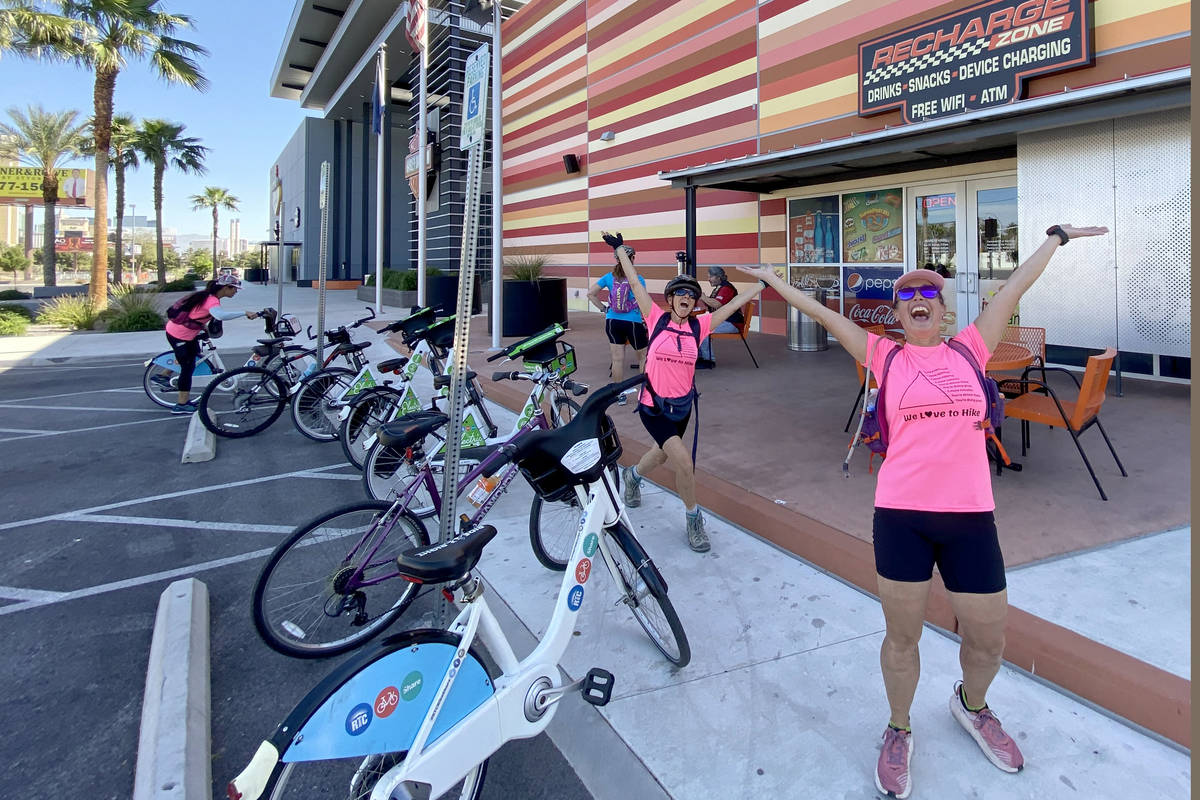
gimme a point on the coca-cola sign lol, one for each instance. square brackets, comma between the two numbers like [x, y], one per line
[871, 312]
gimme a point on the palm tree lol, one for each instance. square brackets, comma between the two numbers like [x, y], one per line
[124, 156]
[44, 139]
[100, 35]
[162, 143]
[214, 197]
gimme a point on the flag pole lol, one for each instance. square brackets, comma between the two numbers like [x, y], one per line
[383, 90]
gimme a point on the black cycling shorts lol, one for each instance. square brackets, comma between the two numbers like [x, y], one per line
[660, 427]
[624, 331]
[964, 545]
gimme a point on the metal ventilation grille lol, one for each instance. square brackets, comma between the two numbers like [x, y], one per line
[1132, 289]
[1154, 242]
[1065, 175]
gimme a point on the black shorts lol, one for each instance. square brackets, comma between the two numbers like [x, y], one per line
[660, 427]
[964, 545]
[624, 331]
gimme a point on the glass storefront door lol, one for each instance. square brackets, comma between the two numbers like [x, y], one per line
[967, 232]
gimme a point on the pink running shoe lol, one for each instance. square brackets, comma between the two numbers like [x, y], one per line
[985, 729]
[891, 773]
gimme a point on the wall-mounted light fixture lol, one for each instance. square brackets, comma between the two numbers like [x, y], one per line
[607, 136]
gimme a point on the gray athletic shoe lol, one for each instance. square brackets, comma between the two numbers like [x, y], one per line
[631, 491]
[696, 535]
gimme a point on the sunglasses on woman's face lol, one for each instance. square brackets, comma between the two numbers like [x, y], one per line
[909, 292]
[685, 293]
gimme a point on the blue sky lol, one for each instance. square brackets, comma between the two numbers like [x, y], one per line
[245, 128]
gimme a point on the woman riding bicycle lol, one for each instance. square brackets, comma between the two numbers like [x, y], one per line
[187, 319]
[665, 405]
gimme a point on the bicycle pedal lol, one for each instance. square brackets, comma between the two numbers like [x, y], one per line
[597, 686]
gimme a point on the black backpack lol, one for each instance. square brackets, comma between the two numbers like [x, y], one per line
[676, 408]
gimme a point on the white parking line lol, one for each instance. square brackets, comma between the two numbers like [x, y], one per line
[22, 430]
[342, 477]
[94, 428]
[71, 394]
[159, 522]
[302, 473]
[131, 582]
[32, 595]
[144, 409]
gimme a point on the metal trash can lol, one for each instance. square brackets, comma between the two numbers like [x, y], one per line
[803, 332]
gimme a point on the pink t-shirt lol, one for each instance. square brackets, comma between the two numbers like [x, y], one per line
[936, 459]
[671, 359]
[200, 312]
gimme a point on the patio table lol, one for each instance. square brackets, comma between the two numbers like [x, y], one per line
[1008, 357]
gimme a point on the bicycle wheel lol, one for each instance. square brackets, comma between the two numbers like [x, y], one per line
[365, 416]
[242, 402]
[160, 383]
[332, 584]
[386, 471]
[355, 778]
[313, 410]
[646, 599]
[552, 529]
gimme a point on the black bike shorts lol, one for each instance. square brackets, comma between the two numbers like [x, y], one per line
[660, 427]
[624, 331]
[964, 545]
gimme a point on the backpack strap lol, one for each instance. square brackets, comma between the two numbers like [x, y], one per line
[882, 382]
[992, 442]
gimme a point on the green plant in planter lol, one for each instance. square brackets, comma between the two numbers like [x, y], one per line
[525, 268]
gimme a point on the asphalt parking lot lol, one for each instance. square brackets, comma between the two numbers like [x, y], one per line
[98, 515]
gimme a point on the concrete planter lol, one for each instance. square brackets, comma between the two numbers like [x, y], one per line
[531, 306]
[391, 297]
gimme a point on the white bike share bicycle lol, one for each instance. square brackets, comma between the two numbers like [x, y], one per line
[421, 713]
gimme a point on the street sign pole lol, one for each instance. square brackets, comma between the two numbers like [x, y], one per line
[322, 267]
[474, 114]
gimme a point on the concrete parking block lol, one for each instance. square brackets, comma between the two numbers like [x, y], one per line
[173, 760]
[200, 443]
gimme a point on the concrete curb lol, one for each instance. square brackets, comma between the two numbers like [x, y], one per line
[200, 444]
[174, 747]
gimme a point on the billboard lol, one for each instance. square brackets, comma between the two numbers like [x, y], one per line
[872, 229]
[868, 296]
[24, 185]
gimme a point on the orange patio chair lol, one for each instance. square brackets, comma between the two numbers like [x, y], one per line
[742, 330]
[1076, 416]
[1034, 339]
[878, 330]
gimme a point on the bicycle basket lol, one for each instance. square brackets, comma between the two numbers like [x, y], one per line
[547, 466]
[415, 323]
[287, 325]
[557, 356]
[338, 336]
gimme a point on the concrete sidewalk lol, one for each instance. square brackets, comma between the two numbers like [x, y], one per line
[341, 308]
[783, 696]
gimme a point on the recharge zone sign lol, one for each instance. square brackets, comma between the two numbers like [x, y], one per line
[972, 59]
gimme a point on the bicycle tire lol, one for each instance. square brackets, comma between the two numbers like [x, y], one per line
[303, 627]
[312, 410]
[646, 597]
[165, 391]
[328, 778]
[552, 528]
[228, 406]
[385, 469]
[365, 417]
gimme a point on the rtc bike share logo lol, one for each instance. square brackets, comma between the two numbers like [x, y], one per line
[590, 542]
[582, 570]
[386, 701]
[410, 687]
[358, 719]
[575, 598]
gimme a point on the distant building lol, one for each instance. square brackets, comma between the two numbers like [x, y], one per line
[235, 242]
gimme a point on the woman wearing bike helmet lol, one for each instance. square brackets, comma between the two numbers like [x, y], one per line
[665, 404]
[187, 319]
[921, 521]
[623, 323]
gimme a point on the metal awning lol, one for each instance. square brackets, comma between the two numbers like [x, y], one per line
[982, 135]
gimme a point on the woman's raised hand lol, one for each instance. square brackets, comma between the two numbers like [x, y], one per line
[1074, 232]
[762, 273]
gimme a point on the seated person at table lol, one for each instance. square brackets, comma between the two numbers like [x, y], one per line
[723, 291]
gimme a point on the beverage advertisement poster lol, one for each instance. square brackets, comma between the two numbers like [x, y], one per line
[813, 230]
[868, 296]
[873, 227]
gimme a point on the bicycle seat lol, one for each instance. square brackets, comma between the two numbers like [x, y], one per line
[410, 429]
[440, 381]
[393, 364]
[354, 348]
[269, 342]
[440, 563]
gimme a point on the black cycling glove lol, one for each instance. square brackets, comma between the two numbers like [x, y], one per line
[614, 240]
